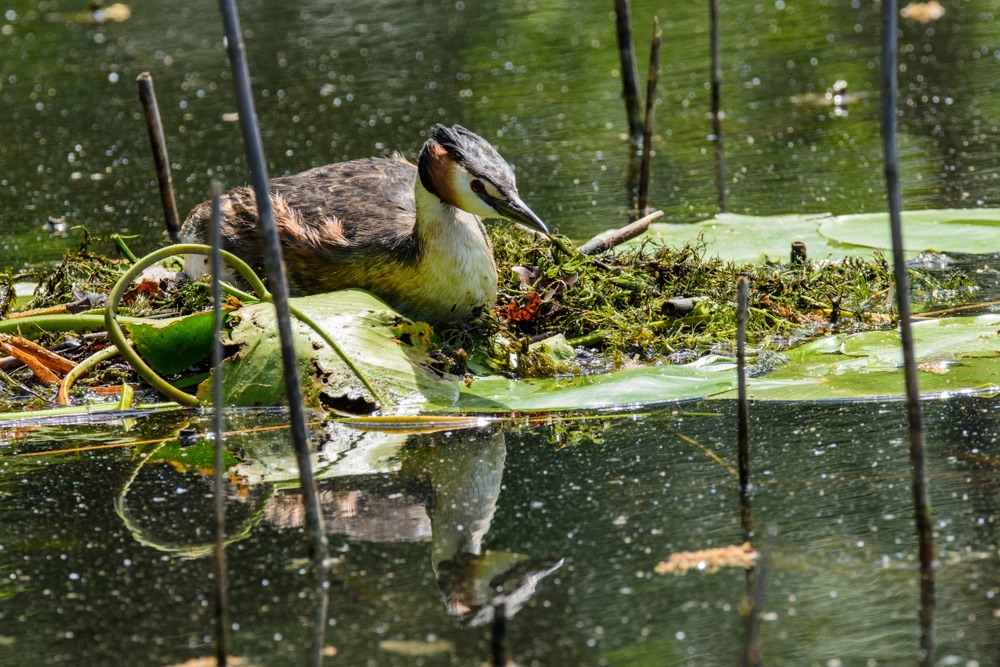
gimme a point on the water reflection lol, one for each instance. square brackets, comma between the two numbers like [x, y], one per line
[446, 491]
[164, 499]
[96, 546]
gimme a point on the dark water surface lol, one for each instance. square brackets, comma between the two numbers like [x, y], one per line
[337, 80]
[104, 552]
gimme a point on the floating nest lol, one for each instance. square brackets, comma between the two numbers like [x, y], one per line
[557, 312]
[647, 303]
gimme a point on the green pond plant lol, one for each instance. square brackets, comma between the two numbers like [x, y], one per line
[648, 321]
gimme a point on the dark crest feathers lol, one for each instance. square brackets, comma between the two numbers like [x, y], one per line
[472, 152]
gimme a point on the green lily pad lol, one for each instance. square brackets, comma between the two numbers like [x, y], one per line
[974, 231]
[751, 238]
[172, 345]
[628, 387]
[960, 354]
[366, 330]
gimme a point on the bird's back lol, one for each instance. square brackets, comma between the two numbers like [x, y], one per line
[340, 224]
[371, 199]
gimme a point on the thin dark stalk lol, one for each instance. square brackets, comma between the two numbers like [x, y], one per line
[716, 112]
[756, 579]
[317, 651]
[159, 143]
[221, 590]
[630, 74]
[632, 179]
[918, 463]
[274, 263]
[751, 655]
[647, 128]
[498, 638]
[742, 406]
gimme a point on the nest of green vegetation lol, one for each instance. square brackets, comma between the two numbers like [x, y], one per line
[660, 304]
[571, 314]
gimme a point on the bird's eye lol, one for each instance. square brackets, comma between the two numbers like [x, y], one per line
[477, 186]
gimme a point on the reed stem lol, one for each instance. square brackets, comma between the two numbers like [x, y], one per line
[647, 128]
[154, 124]
[277, 279]
[716, 111]
[498, 637]
[630, 74]
[743, 406]
[221, 579]
[917, 449]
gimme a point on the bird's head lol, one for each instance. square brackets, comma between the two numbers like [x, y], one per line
[462, 169]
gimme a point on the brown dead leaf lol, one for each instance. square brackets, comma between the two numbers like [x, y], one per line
[149, 288]
[41, 362]
[708, 560]
[112, 389]
[778, 309]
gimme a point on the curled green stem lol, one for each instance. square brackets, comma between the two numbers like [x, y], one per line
[241, 267]
[35, 325]
[588, 340]
[259, 292]
[118, 336]
[38, 416]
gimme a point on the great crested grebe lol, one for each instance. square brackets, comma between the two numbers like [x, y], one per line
[412, 235]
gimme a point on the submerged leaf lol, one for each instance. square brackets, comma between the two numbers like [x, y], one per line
[198, 457]
[416, 648]
[709, 560]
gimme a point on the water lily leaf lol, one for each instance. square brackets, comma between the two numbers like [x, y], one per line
[632, 386]
[365, 328]
[959, 354]
[974, 231]
[175, 344]
[751, 238]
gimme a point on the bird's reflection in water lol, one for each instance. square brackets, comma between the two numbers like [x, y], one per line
[445, 489]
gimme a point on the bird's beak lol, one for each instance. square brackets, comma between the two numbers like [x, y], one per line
[516, 210]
